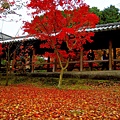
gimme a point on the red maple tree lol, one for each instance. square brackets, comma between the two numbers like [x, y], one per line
[61, 21]
[0, 49]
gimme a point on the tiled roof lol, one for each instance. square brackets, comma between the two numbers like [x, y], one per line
[4, 36]
[105, 27]
[98, 28]
[21, 38]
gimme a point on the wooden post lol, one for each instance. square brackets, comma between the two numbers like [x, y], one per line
[33, 62]
[48, 65]
[13, 61]
[55, 65]
[114, 55]
[0, 64]
[81, 60]
[110, 54]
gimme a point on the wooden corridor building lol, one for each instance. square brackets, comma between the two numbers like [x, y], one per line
[107, 36]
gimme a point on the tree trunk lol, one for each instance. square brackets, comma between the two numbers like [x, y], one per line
[7, 74]
[60, 78]
[62, 69]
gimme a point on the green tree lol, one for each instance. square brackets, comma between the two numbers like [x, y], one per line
[96, 11]
[110, 15]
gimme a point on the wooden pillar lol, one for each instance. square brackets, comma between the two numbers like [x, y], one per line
[81, 60]
[0, 64]
[33, 62]
[48, 65]
[55, 65]
[110, 54]
[13, 61]
[114, 55]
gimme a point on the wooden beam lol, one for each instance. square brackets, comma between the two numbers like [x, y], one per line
[81, 60]
[110, 54]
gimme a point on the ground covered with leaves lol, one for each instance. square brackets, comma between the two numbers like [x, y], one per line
[28, 102]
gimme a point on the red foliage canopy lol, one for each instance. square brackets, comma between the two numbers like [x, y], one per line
[0, 49]
[55, 26]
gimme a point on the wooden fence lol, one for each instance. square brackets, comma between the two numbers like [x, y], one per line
[54, 66]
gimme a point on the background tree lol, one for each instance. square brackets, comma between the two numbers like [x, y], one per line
[5, 7]
[98, 12]
[63, 32]
[108, 15]
[8, 7]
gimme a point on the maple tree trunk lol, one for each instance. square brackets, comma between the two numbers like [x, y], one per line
[62, 71]
[60, 78]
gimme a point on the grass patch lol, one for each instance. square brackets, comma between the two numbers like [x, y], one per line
[76, 87]
[68, 83]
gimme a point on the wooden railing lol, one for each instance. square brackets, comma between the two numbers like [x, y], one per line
[3, 68]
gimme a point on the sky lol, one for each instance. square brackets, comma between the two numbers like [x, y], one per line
[13, 28]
